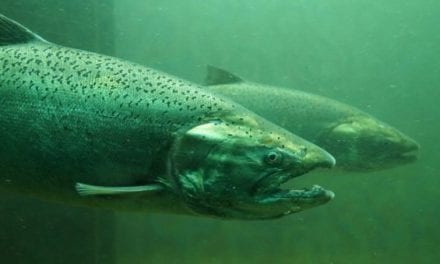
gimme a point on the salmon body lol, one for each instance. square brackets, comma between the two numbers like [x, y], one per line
[88, 129]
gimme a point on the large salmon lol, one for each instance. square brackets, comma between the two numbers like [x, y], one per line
[89, 129]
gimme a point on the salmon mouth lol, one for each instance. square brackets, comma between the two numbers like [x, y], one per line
[409, 156]
[269, 189]
[410, 153]
[314, 196]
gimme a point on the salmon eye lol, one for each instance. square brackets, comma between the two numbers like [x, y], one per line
[273, 157]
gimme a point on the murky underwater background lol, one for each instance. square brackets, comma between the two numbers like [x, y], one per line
[382, 57]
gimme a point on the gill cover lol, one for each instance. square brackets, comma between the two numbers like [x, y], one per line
[215, 164]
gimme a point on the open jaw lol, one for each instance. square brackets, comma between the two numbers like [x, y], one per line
[268, 192]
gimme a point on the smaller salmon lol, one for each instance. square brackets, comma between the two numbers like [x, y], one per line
[357, 140]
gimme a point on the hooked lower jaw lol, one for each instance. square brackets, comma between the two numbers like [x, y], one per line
[307, 198]
[305, 193]
[291, 200]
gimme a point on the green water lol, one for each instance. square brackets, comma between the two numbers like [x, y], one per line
[380, 56]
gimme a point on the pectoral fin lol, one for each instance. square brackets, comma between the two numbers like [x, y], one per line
[88, 190]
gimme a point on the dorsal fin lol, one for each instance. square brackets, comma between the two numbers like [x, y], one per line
[217, 76]
[12, 32]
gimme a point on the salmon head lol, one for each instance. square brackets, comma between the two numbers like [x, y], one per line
[234, 169]
[364, 143]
